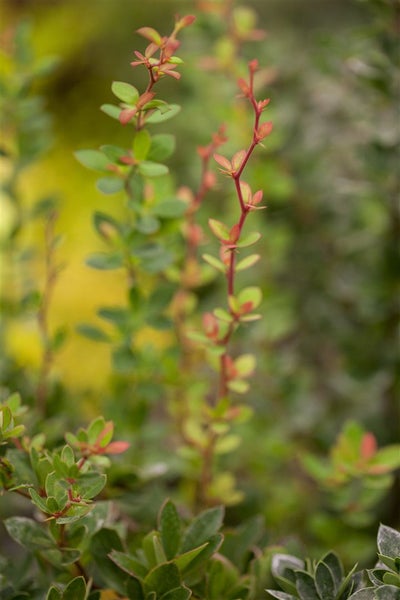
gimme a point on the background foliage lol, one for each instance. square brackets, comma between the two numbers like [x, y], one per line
[327, 354]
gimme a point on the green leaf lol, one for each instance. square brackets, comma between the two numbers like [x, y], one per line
[215, 262]
[134, 589]
[170, 529]
[128, 563]
[281, 595]
[124, 360]
[335, 566]
[180, 593]
[54, 594]
[28, 533]
[162, 146]
[168, 113]
[148, 168]
[324, 582]
[388, 541]
[110, 185]
[248, 239]
[91, 484]
[147, 224]
[38, 500]
[125, 92]
[102, 544]
[141, 144]
[222, 577]
[104, 224]
[75, 590]
[251, 295]
[247, 262]
[202, 528]
[220, 230]
[92, 159]
[92, 332]
[114, 153]
[162, 579]
[104, 262]
[170, 209]
[183, 561]
[111, 110]
[245, 365]
[364, 594]
[305, 586]
[387, 592]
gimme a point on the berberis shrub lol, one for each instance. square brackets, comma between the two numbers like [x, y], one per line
[81, 524]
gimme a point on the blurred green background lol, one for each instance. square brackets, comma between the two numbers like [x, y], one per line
[327, 346]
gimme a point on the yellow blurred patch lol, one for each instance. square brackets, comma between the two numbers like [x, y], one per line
[23, 343]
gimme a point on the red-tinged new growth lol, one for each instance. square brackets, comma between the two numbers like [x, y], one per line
[248, 201]
[159, 59]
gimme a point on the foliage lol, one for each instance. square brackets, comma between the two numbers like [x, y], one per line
[190, 356]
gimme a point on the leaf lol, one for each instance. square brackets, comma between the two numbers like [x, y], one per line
[203, 527]
[114, 153]
[180, 593]
[220, 230]
[110, 185]
[148, 168]
[281, 595]
[125, 92]
[364, 594]
[28, 533]
[170, 209]
[388, 541]
[245, 365]
[250, 295]
[184, 560]
[324, 582]
[75, 590]
[162, 579]
[92, 159]
[162, 146]
[305, 586]
[128, 563]
[104, 262]
[214, 262]
[91, 484]
[147, 224]
[111, 110]
[165, 115]
[141, 144]
[54, 594]
[247, 262]
[92, 332]
[151, 34]
[335, 566]
[170, 528]
[249, 239]
[387, 592]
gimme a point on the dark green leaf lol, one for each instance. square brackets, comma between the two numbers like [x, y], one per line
[92, 332]
[75, 590]
[104, 262]
[28, 533]
[162, 579]
[124, 360]
[170, 528]
[134, 589]
[180, 593]
[324, 582]
[202, 528]
[305, 586]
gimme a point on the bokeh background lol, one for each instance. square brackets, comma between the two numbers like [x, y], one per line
[327, 346]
